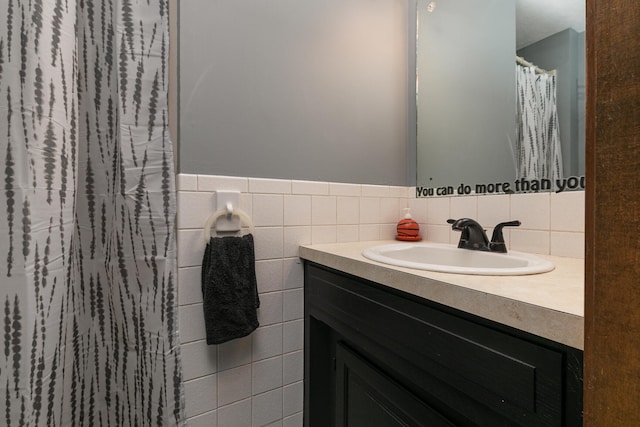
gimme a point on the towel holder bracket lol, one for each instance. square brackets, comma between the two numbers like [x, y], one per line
[228, 217]
[227, 200]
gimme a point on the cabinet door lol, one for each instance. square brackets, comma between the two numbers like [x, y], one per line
[366, 397]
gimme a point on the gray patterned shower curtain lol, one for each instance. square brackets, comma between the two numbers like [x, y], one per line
[87, 248]
[537, 133]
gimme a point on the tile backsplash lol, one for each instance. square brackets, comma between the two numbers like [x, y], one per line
[257, 380]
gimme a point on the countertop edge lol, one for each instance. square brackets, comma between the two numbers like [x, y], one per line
[556, 325]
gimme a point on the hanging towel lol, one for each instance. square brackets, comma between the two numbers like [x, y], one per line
[229, 288]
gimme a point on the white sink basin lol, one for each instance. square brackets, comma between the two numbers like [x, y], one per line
[450, 259]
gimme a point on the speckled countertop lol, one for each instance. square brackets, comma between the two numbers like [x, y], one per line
[550, 305]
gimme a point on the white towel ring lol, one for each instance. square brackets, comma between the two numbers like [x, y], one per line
[228, 210]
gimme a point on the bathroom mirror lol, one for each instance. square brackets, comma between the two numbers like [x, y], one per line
[471, 136]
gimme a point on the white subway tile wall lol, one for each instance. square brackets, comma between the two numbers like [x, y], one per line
[257, 380]
[567, 211]
[532, 210]
[297, 210]
[310, 187]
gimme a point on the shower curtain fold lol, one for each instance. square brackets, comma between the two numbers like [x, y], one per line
[88, 280]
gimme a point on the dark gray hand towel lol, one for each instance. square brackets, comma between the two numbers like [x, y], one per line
[229, 288]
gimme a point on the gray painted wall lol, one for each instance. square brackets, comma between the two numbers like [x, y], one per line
[565, 52]
[466, 84]
[297, 89]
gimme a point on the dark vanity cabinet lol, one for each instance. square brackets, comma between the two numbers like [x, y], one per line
[377, 357]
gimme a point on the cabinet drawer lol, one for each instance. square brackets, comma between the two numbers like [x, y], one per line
[442, 353]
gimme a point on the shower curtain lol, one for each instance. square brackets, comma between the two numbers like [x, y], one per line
[87, 255]
[537, 135]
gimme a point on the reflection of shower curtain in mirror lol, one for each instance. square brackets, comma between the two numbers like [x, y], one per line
[537, 135]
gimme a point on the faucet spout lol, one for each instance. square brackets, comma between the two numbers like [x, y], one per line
[472, 234]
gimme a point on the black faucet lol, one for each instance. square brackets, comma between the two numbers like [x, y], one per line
[474, 237]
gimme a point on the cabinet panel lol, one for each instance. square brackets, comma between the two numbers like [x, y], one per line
[509, 372]
[366, 397]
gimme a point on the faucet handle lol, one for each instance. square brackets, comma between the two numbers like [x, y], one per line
[497, 239]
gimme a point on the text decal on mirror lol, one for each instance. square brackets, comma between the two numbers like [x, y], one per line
[521, 185]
